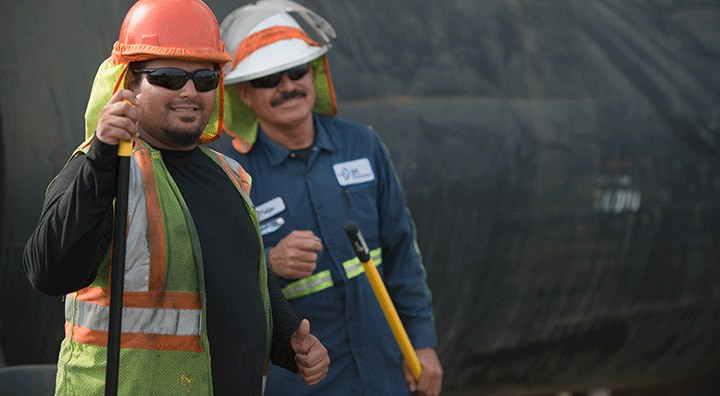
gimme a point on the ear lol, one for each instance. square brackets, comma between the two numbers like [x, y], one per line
[244, 92]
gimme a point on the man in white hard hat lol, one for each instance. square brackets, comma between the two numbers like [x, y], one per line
[313, 172]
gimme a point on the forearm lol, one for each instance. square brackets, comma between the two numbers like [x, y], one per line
[285, 323]
[74, 231]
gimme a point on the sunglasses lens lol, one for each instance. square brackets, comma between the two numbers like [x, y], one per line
[297, 72]
[206, 80]
[273, 80]
[269, 81]
[173, 79]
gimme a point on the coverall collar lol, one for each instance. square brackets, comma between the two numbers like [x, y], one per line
[277, 154]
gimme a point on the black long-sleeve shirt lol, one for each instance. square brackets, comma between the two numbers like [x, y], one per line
[75, 230]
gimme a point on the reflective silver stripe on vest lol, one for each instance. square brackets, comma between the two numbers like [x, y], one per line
[137, 253]
[179, 322]
[312, 284]
[234, 165]
[354, 267]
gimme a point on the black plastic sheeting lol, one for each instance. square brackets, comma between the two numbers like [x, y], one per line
[560, 158]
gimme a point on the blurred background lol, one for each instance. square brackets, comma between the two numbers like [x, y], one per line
[561, 159]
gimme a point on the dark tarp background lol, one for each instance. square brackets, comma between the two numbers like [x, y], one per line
[560, 158]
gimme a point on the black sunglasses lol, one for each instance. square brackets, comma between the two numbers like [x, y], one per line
[174, 79]
[272, 80]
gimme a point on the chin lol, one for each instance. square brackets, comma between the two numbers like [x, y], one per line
[293, 117]
[184, 137]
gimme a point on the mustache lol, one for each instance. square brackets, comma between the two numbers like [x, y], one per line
[285, 96]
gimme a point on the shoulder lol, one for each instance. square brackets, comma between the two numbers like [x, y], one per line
[224, 161]
[232, 152]
[231, 165]
[348, 132]
[229, 159]
[334, 123]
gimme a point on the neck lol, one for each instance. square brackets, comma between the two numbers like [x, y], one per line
[291, 137]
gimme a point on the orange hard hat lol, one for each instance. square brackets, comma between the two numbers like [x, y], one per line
[178, 29]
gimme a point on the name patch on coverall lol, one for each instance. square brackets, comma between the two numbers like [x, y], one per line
[269, 209]
[353, 172]
[271, 226]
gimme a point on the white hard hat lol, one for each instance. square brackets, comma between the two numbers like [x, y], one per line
[263, 38]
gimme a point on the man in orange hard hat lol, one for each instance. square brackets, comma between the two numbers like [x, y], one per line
[201, 314]
[317, 172]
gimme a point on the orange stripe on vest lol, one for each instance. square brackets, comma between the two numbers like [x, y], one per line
[153, 299]
[244, 182]
[156, 232]
[155, 342]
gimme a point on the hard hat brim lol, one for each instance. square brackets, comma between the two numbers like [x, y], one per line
[273, 58]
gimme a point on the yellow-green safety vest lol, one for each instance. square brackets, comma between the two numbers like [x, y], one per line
[164, 345]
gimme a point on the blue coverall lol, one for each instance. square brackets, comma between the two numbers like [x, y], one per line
[348, 176]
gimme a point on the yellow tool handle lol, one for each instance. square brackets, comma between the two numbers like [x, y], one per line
[125, 149]
[362, 251]
[393, 319]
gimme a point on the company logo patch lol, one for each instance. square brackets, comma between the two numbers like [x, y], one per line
[354, 172]
[269, 209]
[271, 226]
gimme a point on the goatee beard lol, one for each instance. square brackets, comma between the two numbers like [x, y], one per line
[183, 138]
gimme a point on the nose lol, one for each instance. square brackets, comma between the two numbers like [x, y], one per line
[285, 83]
[189, 88]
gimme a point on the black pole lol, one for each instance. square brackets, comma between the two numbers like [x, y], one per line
[357, 241]
[117, 275]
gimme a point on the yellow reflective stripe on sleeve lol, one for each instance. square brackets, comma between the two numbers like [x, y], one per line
[353, 267]
[312, 284]
[323, 280]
